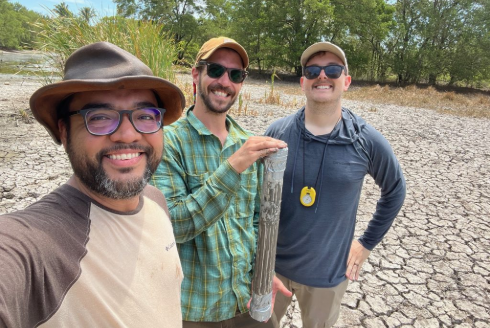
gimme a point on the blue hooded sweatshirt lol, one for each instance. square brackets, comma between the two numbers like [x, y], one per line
[314, 242]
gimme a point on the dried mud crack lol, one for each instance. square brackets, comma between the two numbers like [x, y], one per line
[432, 268]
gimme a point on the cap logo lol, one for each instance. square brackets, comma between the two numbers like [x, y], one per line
[227, 40]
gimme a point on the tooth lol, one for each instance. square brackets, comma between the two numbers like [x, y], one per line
[124, 156]
[221, 94]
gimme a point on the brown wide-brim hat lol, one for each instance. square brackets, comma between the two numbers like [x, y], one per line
[97, 67]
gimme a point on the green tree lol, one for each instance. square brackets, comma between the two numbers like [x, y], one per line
[251, 27]
[62, 10]
[404, 43]
[15, 28]
[87, 14]
[361, 28]
[433, 39]
[177, 16]
[295, 24]
[468, 59]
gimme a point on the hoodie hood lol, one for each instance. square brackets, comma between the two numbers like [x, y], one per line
[346, 132]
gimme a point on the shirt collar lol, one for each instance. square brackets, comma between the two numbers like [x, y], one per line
[235, 131]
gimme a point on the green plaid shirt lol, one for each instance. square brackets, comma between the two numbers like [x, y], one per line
[214, 212]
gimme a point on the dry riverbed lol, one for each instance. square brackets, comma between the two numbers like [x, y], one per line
[433, 267]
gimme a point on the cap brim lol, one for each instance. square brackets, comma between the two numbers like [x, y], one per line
[234, 46]
[44, 102]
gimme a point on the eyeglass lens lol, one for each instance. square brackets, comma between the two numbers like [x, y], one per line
[105, 121]
[216, 71]
[331, 71]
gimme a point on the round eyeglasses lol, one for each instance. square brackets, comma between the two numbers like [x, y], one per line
[103, 121]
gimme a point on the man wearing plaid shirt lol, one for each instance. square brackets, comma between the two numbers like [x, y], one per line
[211, 179]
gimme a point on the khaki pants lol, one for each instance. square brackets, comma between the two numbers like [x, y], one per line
[242, 320]
[320, 307]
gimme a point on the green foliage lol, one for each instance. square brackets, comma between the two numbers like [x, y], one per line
[412, 41]
[15, 29]
[87, 14]
[62, 10]
[61, 35]
[435, 39]
[177, 16]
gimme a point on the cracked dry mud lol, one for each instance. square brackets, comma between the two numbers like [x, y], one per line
[433, 267]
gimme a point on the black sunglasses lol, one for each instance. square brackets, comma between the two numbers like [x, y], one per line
[216, 71]
[103, 121]
[331, 71]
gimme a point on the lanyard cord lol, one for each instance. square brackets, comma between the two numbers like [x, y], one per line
[320, 169]
[323, 155]
[321, 164]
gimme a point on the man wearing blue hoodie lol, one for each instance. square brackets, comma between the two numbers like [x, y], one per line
[331, 149]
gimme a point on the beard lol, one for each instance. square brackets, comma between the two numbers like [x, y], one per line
[92, 174]
[209, 104]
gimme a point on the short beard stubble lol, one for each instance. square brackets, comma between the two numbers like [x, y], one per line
[93, 176]
[207, 101]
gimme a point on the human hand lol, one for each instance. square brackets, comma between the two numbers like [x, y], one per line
[357, 255]
[254, 148]
[277, 286]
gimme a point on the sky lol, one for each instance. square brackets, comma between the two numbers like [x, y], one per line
[102, 7]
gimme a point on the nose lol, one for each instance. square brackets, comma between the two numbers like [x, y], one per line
[126, 132]
[322, 74]
[225, 79]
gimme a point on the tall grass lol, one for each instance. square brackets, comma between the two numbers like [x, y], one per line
[61, 36]
[458, 104]
[444, 102]
[270, 97]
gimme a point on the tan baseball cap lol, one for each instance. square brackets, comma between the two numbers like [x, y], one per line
[210, 46]
[323, 46]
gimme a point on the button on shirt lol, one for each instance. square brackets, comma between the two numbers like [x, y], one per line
[214, 212]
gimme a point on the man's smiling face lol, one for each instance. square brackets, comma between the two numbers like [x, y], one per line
[323, 89]
[218, 95]
[119, 165]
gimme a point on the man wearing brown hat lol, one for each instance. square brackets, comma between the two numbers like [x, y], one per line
[211, 178]
[99, 251]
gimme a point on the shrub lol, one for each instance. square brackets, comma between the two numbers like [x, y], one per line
[61, 36]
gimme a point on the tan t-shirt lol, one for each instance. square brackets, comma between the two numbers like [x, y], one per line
[67, 261]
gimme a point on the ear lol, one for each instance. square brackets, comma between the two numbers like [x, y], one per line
[347, 82]
[301, 80]
[63, 132]
[195, 75]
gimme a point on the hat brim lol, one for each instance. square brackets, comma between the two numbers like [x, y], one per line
[44, 102]
[322, 46]
[231, 45]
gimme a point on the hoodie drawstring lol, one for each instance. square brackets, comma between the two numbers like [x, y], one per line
[295, 158]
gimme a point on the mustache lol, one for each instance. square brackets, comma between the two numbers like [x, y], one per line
[219, 87]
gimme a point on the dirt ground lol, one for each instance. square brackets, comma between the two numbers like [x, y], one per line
[432, 268]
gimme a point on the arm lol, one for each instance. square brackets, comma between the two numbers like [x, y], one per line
[387, 174]
[14, 286]
[195, 202]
